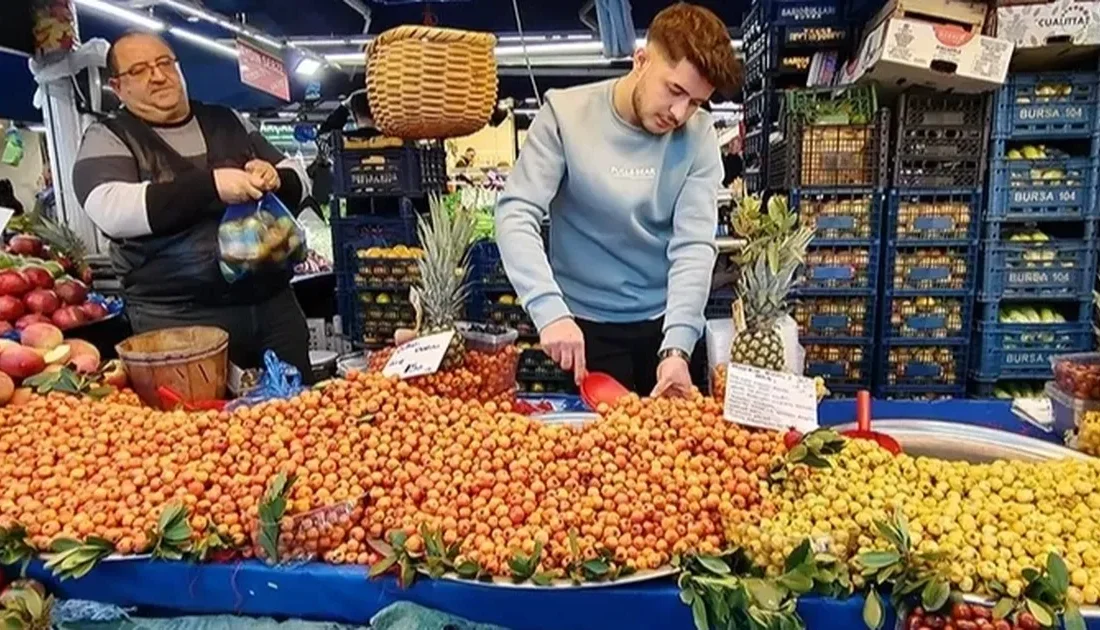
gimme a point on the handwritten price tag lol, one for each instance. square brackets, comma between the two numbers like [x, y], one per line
[770, 400]
[419, 357]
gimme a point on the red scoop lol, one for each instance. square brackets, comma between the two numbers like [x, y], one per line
[169, 400]
[863, 425]
[598, 387]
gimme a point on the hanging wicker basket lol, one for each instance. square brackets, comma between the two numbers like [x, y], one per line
[427, 82]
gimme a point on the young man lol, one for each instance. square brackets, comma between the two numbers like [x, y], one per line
[156, 176]
[628, 172]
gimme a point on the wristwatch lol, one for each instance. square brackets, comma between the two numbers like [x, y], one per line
[673, 352]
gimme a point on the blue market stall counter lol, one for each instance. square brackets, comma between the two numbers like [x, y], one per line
[345, 594]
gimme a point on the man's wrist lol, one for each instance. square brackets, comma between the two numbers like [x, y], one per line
[668, 353]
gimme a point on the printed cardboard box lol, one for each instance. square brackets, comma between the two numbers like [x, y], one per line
[1048, 30]
[903, 52]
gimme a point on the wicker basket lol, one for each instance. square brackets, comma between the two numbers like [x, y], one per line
[426, 82]
[192, 361]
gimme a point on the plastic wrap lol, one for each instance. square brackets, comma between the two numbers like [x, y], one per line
[259, 235]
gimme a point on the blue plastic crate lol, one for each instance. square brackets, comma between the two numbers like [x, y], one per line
[922, 363]
[1073, 309]
[839, 270]
[387, 167]
[371, 323]
[499, 309]
[719, 305]
[919, 269]
[1051, 269]
[1038, 105]
[931, 317]
[765, 13]
[988, 388]
[835, 319]
[486, 268]
[933, 217]
[1023, 351]
[919, 392]
[839, 363]
[375, 273]
[840, 217]
[1059, 189]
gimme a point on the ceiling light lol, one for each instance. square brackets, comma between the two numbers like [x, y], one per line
[123, 14]
[307, 67]
[346, 41]
[214, 18]
[554, 48]
[355, 59]
[204, 41]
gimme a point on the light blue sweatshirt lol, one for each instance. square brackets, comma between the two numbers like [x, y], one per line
[632, 217]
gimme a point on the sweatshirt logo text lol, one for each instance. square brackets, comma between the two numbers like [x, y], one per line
[633, 172]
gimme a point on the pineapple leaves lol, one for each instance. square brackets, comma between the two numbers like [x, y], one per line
[445, 237]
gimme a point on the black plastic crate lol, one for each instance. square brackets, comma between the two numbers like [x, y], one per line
[923, 108]
[536, 366]
[388, 167]
[832, 156]
[941, 141]
[756, 150]
[765, 13]
[762, 108]
[785, 53]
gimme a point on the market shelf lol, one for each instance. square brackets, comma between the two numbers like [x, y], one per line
[1023, 351]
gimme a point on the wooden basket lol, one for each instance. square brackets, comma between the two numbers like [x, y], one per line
[192, 361]
[427, 82]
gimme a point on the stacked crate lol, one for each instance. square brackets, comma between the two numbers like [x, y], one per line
[780, 39]
[931, 244]
[1039, 243]
[835, 174]
[492, 299]
[379, 186]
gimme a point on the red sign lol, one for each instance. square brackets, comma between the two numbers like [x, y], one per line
[263, 71]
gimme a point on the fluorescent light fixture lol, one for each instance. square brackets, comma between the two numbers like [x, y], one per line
[530, 113]
[204, 41]
[123, 14]
[353, 59]
[539, 61]
[214, 18]
[346, 41]
[307, 67]
[37, 128]
[287, 115]
[553, 48]
[726, 107]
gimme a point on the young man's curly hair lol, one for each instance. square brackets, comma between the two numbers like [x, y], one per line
[688, 31]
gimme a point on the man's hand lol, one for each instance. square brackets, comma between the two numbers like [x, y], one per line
[563, 341]
[236, 186]
[673, 378]
[265, 175]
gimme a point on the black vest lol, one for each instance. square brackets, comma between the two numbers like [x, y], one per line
[182, 268]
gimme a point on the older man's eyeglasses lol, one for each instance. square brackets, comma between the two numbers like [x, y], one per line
[143, 70]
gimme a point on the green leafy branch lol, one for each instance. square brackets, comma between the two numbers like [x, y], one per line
[813, 451]
[170, 538]
[601, 568]
[1044, 597]
[395, 557]
[68, 381]
[74, 559]
[271, 512]
[14, 548]
[906, 572]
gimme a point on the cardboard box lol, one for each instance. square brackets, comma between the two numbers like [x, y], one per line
[903, 52]
[968, 14]
[1047, 30]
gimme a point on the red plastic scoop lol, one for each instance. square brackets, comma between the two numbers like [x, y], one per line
[169, 400]
[863, 425]
[598, 387]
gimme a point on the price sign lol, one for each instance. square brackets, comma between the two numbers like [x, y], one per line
[262, 70]
[770, 400]
[419, 357]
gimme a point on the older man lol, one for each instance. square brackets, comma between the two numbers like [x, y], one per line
[156, 177]
[628, 172]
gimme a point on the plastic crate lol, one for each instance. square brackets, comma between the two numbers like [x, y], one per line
[1074, 309]
[719, 305]
[756, 179]
[386, 167]
[486, 268]
[918, 269]
[1024, 350]
[764, 13]
[1047, 105]
[762, 108]
[842, 318]
[832, 156]
[939, 157]
[370, 322]
[785, 52]
[927, 316]
[1030, 189]
[840, 364]
[919, 363]
[989, 388]
[859, 103]
[840, 217]
[510, 314]
[363, 231]
[536, 366]
[1051, 269]
[920, 392]
[842, 270]
[933, 217]
[756, 149]
[925, 108]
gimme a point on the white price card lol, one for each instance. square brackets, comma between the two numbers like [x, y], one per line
[418, 357]
[770, 400]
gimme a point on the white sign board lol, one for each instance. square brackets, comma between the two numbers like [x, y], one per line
[419, 357]
[770, 400]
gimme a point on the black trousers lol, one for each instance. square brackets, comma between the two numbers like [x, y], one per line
[628, 352]
[277, 324]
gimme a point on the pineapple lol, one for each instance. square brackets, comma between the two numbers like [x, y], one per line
[775, 250]
[438, 298]
[24, 605]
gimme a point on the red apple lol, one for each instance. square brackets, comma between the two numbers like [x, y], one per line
[13, 283]
[31, 318]
[69, 317]
[70, 291]
[42, 301]
[94, 311]
[19, 362]
[11, 308]
[38, 277]
[26, 245]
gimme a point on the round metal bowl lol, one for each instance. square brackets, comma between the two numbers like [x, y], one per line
[965, 442]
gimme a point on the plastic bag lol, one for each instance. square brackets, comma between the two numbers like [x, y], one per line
[279, 380]
[259, 235]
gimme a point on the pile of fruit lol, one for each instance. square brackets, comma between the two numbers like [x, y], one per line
[33, 290]
[963, 616]
[383, 266]
[932, 268]
[1052, 174]
[1030, 314]
[1018, 389]
[1044, 93]
[42, 349]
[927, 316]
[987, 522]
